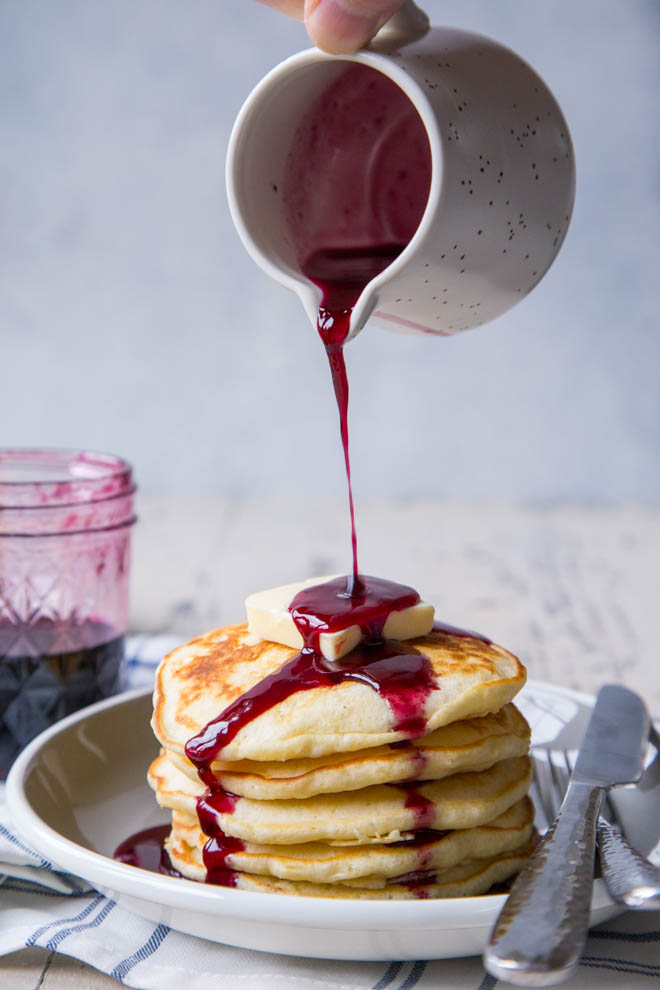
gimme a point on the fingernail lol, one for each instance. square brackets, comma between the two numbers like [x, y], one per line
[339, 26]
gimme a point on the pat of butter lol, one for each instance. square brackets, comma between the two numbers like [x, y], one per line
[269, 618]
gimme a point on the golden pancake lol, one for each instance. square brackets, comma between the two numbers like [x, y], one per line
[374, 814]
[463, 880]
[472, 744]
[316, 862]
[197, 682]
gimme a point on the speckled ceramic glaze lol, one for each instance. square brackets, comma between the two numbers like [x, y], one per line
[502, 185]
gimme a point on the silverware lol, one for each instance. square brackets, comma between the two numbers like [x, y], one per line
[540, 933]
[630, 878]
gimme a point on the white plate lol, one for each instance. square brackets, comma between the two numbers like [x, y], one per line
[80, 788]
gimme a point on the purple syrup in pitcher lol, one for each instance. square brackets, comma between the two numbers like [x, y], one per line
[50, 670]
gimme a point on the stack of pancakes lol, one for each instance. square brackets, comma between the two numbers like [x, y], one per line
[326, 797]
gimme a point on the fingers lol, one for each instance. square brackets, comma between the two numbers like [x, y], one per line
[293, 8]
[339, 25]
[345, 25]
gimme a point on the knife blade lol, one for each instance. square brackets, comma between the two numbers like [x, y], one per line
[540, 933]
[613, 748]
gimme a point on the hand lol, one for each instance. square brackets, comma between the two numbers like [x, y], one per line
[339, 26]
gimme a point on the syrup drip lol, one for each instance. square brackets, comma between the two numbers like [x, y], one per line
[219, 846]
[421, 837]
[397, 671]
[415, 879]
[418, 761]
[422, 808]
[215, 854]
[214, 802]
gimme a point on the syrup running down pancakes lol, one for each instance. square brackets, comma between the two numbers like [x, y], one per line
[358, 764]
[399, 771]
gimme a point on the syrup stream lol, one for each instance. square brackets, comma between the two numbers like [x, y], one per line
[342, 275]
[357, 186]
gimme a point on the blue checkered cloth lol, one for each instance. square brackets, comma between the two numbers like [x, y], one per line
[42, 906]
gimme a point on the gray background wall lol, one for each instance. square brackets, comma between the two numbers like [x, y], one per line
[132, 320]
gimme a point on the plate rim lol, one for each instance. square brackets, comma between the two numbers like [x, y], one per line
[286, 909]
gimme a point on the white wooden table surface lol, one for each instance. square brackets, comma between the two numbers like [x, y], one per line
[573, 590]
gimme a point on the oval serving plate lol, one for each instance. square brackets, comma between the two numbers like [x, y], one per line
[80, 788]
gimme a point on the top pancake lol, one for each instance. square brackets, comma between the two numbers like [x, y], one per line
[197, 681]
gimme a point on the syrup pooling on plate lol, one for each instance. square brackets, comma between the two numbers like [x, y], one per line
[146, 849]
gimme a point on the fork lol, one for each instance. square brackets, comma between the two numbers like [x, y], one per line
[630, 878]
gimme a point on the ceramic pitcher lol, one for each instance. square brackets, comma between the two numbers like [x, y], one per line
[502, 180]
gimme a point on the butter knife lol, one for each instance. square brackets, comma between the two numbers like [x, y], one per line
[540, 933]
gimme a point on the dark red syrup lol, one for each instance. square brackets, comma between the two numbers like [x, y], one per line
[146, 850]
[421, 893]
[49, 670]
[357, 183]
[210, 805]
[422, 808]
[421, 837]
[214, 802]
[416, 756]
[397, 671]
[415, 879]
[336, 605]
[219, 845]
[215, 855]
[342, 274]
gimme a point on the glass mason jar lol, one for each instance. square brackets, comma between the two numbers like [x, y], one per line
[65, 524]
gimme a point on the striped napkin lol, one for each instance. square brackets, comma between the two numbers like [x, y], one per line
[42, 906]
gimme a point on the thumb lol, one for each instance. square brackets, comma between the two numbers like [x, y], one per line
[340, 26]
